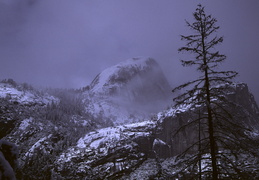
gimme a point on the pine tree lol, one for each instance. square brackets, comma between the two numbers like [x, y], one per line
[207, 95]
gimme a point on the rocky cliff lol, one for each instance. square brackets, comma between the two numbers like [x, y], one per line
[58, 139]
[137, 79]
[141, 150]
[171, 119]
[129, 91]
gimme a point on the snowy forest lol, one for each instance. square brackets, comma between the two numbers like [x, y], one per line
[130, 123]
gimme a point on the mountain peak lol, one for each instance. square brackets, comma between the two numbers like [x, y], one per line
[135, 86]
[115, 77]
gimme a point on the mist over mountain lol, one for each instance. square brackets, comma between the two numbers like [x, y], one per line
[121, 123]
[42, 44]
[136, 86]
[118, 126]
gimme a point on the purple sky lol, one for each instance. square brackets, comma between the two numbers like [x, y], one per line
[66, 43]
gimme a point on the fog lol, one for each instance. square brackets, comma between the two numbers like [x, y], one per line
[65, 43]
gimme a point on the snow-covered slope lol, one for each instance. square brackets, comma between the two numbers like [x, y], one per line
[129, 90]
[128, 151]
[105, 153]
[119, 74]
[238, 95]
[109, 136]
[132, 78]
[26, 97]
[78, 146]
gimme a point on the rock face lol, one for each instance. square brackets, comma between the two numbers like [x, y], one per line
[107, 153]
[121, 152]
[240, 94]
[18, 94]
[137, 79]
[77, 146]
[136, 86]
[17, 101]
[172, 119]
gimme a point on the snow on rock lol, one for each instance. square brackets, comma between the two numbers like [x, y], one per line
[136, 80]
[103, 140]
[105, 152]
[104, 108]
[36, 145]
[158, 141]
[173, 111]
[26, 97]
[25, 123]
[130, 90]
[109, 75]
[81, 121]
[112, 134]
[236, 92]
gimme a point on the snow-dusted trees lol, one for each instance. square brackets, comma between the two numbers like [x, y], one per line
[222, 138]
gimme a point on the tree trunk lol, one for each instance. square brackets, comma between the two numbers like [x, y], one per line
[211, 130]
[200, 156]
[208, 104]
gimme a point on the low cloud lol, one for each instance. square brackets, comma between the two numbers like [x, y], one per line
[66, 43]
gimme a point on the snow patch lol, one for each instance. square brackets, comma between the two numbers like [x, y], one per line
[25, 123]
[103, 78]
[158, 142]
[111, 134]
[37, 145]
[24, 97]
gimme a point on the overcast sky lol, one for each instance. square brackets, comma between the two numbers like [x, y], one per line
[66, 43]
